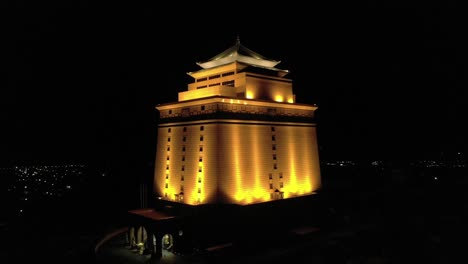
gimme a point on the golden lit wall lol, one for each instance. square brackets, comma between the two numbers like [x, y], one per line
[247, 161]
[260, 88]
[247, 85]
[191, 163]
[240, 162]
[206, 92]
[238, 79]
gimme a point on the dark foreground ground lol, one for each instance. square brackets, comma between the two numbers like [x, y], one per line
[371, 216]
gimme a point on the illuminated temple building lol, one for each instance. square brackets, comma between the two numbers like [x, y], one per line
[237, 135]
[234, 152]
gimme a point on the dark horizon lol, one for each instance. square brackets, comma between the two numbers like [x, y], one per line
[82, 85]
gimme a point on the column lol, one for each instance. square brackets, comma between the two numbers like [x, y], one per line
[158, 247]
[150, 242]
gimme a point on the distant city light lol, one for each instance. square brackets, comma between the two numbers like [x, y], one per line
[34, 182]
[455, 163]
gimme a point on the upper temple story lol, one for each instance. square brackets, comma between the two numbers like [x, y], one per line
[240, 73]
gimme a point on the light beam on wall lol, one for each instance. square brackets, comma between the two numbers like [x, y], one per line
[259, 191]
[235, 134]
[292, 187]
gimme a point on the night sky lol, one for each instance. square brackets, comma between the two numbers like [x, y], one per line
[81, 85]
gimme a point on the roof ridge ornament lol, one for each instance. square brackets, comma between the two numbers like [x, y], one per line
[239, 53]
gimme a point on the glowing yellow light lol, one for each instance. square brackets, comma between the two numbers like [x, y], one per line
[232, 101]
[292, 186]
[308, 173]
[279, 98]
[256, 152]
[239, 195]
[259, 193]
[170, 193]
[290, 100]
[302, 180]
[249, 95]
[249, 187]
[198, 193]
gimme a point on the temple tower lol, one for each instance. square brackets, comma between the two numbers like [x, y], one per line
[237, 135]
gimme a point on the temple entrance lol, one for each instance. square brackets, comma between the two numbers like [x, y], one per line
[167, 242]
[154, 232]
[143, 241]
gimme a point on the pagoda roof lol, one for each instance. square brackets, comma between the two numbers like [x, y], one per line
[241, 66]
[240, 53]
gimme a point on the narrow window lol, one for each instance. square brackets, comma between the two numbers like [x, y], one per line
[273, 147]
[201, 138]
[202, 128]
[270, 176]
[272, 129]
[200, 159]
[183, 168]
[184, 139]
[183, 157]
[170, 112]
[273, 138]
[185, 129]
[167, 158]
[281, 184]
[167, 176]
[274, 156]
[202, 107]
[168, 148]
[166, 185]
[201, 148]
[271, 185]
[199, 169]
[182, 178]
[183, 148]
[168, 139]
[275, 166]
[168, 130]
